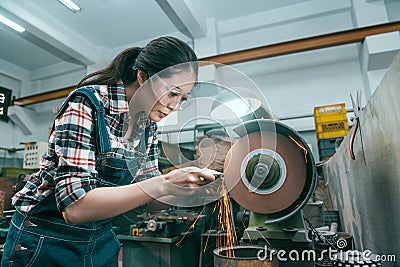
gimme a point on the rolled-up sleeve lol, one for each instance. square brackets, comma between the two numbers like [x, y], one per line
[75, 149]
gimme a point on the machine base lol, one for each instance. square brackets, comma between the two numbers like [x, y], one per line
[288, 238]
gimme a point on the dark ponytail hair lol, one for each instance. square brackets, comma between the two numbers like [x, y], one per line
[159, 54]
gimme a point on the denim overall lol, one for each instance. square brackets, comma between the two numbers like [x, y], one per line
[42, 238]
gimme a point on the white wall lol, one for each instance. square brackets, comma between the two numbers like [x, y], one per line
[297, 91]
[393, 9]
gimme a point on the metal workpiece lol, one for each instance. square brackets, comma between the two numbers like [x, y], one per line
[366, 190]
[245, 256]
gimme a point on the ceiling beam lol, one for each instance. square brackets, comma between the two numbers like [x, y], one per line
[185, 17]
[49, 34]
[282, 16]
[301, 45]
[43, 97]
[306, 44]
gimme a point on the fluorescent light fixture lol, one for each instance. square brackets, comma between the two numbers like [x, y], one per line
[11, 24]
[70, 5]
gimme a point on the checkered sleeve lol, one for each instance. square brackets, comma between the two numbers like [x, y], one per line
[75, 149]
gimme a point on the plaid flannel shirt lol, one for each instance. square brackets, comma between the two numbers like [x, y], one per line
[68, 167]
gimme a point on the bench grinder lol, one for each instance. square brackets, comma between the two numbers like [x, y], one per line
[270, 172]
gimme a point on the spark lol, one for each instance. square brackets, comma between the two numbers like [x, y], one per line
[191, 227]
[209, 232]
[244, 226]
[265, 239]
[226, 225]
[302, 147]
[226, 234]
[208, 236]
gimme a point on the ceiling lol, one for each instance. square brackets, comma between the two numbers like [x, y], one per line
[57, 40]
[54, 34]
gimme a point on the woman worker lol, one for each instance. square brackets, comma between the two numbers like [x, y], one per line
[63, 214]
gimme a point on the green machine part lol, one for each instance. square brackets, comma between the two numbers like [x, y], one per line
[292, 229]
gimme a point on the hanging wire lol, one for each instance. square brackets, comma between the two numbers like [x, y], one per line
[319, 235]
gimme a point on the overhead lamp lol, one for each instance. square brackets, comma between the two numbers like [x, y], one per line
[70, 5]
[11, 24]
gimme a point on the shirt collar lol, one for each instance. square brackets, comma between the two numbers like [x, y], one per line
[114, 98]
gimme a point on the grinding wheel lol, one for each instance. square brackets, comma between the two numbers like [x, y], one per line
[282, 165]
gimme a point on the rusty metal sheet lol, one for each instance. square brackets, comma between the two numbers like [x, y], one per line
[366, 191]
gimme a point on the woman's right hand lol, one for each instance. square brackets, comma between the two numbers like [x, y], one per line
[186, 187]
[190, 186]
[191, 177]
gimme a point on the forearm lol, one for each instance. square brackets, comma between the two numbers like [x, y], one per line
[106, 202]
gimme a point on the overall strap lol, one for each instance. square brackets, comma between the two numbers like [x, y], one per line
[102, 137]
[144, 140]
